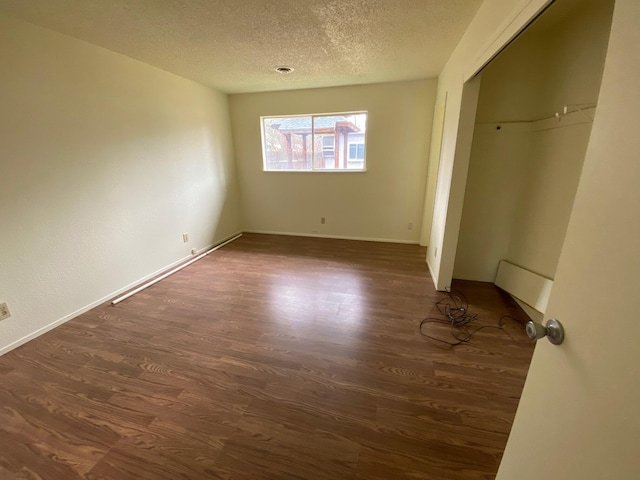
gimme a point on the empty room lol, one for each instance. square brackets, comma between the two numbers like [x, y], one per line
[339, 239]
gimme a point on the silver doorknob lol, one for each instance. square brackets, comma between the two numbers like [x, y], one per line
[553, 330]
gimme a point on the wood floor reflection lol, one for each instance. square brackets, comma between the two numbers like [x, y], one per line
[274, 358]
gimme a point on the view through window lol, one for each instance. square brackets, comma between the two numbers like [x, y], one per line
[327, 142]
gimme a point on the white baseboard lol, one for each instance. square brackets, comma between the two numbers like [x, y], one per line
[337, 237]
[86, 308]
[525, 285]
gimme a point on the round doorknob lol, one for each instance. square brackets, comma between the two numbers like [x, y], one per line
[553, 330]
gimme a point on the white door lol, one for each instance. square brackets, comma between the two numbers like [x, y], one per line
[579, 416]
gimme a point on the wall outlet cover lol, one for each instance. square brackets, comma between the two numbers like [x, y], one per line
[4, 311]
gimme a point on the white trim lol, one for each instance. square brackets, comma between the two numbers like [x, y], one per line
[324, 170]
[336, 237]
[323, 114]
[336, 141]
[86, 308]
[171, 272]
[530, 287]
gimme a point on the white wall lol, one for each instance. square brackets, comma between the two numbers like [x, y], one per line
[104, 162]
[376, 204]
[578, 415]
[523, 177]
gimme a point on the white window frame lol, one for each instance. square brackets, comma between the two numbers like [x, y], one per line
[313, 169]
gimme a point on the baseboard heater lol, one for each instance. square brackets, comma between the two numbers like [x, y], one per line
[171, 272]
[529, 287]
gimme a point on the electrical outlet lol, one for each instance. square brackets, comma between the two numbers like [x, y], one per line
[193, 251]
[410, 226]
[314, 231]
[322, 220]
[4, 311]
[185, 237]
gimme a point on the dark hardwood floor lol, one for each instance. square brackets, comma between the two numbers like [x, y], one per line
[273, 358]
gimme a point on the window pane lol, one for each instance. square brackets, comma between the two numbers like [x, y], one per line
[356, 152]
[338, 132]
[324, 149]
[287, 143]
[356, 139]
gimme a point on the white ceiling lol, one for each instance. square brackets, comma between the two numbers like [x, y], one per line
[234, 45]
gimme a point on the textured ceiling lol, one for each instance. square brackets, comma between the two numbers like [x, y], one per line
[234, 45]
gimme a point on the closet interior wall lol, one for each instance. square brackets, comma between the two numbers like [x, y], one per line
[525, 162]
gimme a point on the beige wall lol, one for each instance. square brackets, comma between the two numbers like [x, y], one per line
[523, 176]
[376, 204]
[551, 64]
[104, 162]
[578, 415]
[545, 199]
[520, 189]
[496, 176]
[432, 171]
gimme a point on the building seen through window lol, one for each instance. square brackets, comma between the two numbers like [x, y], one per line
[334, 142]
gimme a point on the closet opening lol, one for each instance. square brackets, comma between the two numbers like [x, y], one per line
[536, 103]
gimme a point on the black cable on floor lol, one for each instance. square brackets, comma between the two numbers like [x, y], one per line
[455, 310]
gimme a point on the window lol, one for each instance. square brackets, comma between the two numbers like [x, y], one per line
[328, 142]
[356, 151]
[328, 148]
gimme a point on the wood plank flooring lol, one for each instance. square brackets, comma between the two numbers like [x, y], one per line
[274, 358]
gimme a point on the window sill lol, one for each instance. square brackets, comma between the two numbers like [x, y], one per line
[315, 171]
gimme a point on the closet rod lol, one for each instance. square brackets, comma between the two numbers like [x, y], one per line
[579, 107]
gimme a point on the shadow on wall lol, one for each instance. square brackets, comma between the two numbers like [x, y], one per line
[106, 163]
